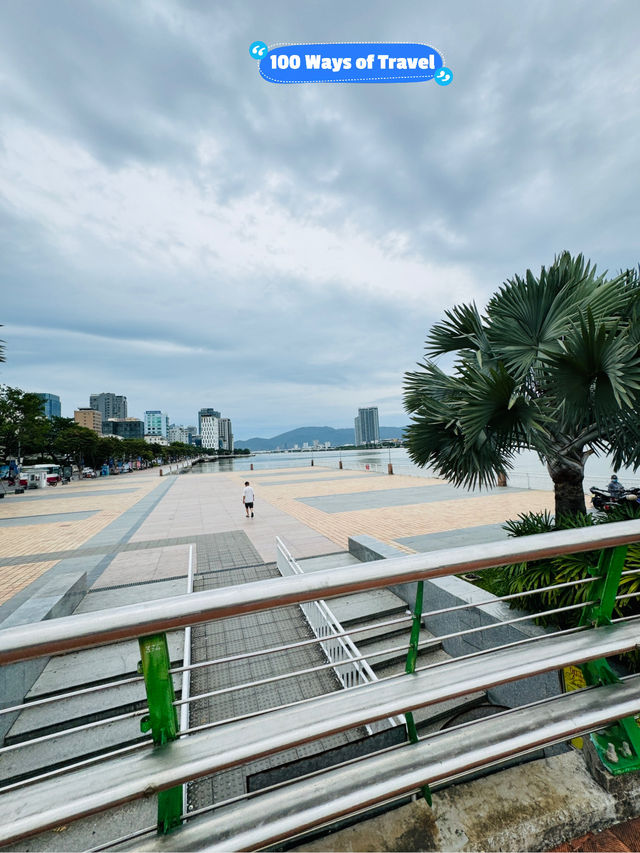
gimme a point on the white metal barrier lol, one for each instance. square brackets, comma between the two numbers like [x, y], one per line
[340, 651]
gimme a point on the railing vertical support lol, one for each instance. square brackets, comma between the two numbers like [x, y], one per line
[618, 746]
[410, 668]
[162, 719]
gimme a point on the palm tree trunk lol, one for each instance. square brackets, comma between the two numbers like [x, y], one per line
[568, 483]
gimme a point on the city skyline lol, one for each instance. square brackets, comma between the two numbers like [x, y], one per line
[176, 226]
[173, 424]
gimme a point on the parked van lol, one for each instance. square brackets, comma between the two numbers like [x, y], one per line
[52, 472]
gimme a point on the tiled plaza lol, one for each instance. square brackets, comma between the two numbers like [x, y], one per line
[138, 526]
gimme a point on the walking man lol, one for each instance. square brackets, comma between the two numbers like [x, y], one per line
[247, 499]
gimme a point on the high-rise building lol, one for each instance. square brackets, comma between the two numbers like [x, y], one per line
[123, 427]
[51, 405]
[210, 432]
[178, 433]
[193, 435]
[366, 426]
[206, 413]
[156, 423]
[89, 418]
[225, 434]
[109, 405]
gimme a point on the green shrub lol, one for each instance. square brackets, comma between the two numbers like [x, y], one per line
[537, 574]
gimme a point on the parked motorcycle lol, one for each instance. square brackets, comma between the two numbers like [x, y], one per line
[604, 501]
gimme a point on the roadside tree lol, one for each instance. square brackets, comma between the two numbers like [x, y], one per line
[22, 421]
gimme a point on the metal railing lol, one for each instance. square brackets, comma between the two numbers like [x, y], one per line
[335, 642]
[92, 786]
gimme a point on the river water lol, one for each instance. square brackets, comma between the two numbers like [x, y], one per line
[528, 472]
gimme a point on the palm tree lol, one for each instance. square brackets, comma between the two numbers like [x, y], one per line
[552, 365]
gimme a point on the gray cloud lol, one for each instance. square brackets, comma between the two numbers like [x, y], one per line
[176, 229]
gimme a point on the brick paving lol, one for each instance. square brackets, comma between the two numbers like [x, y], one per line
[624, 837]
[391, 524]
[142, 511]
[38, 544]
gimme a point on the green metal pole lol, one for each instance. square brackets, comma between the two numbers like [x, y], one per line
[618, 746]
[162, 719]
[410, 668]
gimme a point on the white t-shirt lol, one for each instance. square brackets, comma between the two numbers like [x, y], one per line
[247, 494]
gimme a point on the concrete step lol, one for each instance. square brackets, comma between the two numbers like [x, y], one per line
[378, 629]
[30, 758]
[77, 710]
[364, 607]
[73, 671]
[77, 670]
[393, 661]
[327, 561]
[90, 666]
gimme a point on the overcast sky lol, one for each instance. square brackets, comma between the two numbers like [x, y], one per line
[176, 229]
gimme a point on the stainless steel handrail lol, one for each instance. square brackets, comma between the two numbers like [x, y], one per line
[138, 775]
[305, 804]
[104, 721]
[357, 629]
[364, 657]
[85, 630]
[69, 694]
[272, 650]
[565, 632]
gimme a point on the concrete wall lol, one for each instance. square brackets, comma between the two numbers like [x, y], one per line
[451, 591]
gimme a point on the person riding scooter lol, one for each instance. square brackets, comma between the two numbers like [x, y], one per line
[615, 487]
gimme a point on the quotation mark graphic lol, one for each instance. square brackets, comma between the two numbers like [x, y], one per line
[443, 76]
[258, 49]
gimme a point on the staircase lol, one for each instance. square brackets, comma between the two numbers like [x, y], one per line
[385, 646]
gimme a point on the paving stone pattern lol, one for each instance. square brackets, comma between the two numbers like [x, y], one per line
[465, 536]
[49, 518]
[298, 480]
[241, 635]
[437, 508]
[390, 497]
[25, 570]
[37, 495]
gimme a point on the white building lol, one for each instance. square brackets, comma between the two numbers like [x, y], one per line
[156, 439]
[210, 432]
[156, 423]
[178, 433]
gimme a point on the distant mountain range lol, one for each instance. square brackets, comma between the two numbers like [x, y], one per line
[302, 435]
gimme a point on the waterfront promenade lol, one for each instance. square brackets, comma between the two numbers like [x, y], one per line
[138, 527]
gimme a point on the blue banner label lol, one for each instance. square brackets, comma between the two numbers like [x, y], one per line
[351, 62]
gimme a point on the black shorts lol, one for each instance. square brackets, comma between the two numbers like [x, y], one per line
[248, 505]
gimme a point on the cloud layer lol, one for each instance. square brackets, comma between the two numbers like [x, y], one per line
[176, 229]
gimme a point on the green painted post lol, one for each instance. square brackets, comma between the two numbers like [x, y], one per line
[410, 668]
[618, 746]
[162, 720]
